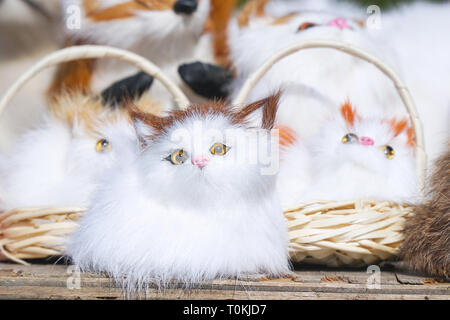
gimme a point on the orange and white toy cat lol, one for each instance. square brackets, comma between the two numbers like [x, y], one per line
[350, 158]
[167, 32]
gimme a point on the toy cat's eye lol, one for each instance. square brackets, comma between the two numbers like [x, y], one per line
[350, 138]
[388, 151]
[306, 25]
[102, 145]
[219, 149]
[178, 157]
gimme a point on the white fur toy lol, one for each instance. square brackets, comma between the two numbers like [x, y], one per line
[409, 39]
[351, 158]
[59, 162]
[185, 209]
[323, 73]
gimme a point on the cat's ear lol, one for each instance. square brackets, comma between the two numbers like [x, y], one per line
[260, 114]
[398, 127]
[401, 129]
[349, 114]
[146, 124]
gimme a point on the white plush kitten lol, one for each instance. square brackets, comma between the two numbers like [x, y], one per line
[59, 162]
[333, 75]
[351, 158]
[409, 39]
[185, 209]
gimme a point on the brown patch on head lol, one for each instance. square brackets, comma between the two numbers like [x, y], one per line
[349, 113]
[252, 8]
[123, 10]
[425, 248]
[78, 109]
[83, 110]
[160, 125]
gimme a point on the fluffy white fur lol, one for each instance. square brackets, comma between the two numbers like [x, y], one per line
[410, 40]
[417, 35]
[324, 168]
[164, 37]
[155, 221]
[331, 74]
[56, 164]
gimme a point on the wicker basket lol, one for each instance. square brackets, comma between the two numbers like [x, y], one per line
[352, 233]
[30, 233]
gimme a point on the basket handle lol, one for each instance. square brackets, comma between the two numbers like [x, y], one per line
[90, 52]
[403, 91]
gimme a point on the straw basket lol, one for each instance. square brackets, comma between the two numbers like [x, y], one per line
[351, 233]
[31, 233]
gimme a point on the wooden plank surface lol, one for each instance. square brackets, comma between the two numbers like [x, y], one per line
[61, 282]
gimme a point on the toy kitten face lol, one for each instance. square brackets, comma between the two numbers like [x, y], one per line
[97, 132]
[370, 143]
[205, 149]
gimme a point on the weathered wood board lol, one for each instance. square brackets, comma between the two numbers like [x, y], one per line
[63, 282]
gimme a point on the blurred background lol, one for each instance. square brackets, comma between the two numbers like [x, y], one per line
[30, 29]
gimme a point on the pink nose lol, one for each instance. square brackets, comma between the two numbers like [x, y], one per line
[199, 161]
[366, 141]
[340, 23]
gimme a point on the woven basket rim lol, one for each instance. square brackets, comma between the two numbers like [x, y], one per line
[90, 52]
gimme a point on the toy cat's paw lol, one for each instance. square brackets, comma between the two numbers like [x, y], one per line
[207, 80]
[128, 88]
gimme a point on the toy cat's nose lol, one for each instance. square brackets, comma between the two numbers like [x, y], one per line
[340, 23]
[199, 161]
[366, 141]
[185, 6]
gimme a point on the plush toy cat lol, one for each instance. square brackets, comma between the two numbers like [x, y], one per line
[167, 32]
[184, 209]
[426, 247]
[264, 27]
[59, 162]
[351, 158]
[408, 39]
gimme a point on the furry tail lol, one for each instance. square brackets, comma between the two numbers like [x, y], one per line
[426, 247]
